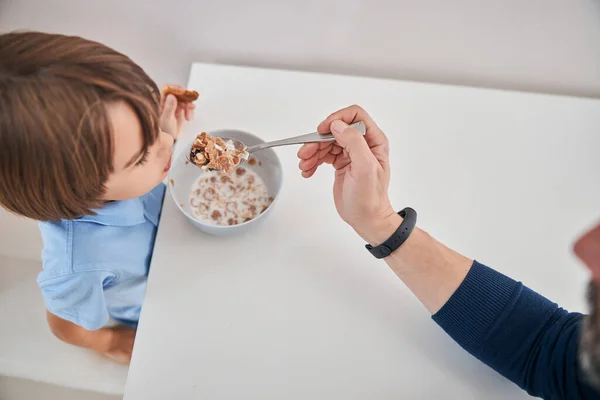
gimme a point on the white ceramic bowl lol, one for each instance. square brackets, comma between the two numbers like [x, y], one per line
[183, 175]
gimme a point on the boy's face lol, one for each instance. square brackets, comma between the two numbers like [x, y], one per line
[134, 175]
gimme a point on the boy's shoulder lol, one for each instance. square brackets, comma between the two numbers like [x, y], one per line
[102, 240]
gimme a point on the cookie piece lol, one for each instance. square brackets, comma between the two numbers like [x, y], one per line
[183, 95]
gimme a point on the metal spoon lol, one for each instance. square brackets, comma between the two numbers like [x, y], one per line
[314, 137]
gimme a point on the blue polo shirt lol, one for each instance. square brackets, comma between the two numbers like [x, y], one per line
[96, 267]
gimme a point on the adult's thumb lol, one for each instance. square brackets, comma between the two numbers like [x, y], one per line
[353, 142]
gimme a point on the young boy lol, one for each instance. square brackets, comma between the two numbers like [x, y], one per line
[85, 142]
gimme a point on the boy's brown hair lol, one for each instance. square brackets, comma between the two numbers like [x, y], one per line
[56, 147]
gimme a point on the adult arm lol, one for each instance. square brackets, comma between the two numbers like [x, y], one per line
[514, 330]
[517, 332]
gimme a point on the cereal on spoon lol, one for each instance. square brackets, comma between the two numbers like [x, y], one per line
[213, 153]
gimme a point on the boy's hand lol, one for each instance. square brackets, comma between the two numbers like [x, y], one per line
[173, 114]
[121, 344]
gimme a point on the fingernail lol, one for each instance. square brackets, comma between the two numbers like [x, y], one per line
[171, 100]
[338, 126]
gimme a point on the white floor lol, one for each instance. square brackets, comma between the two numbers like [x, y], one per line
[23, 389]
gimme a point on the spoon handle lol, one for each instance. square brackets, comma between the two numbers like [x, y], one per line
[308, 138]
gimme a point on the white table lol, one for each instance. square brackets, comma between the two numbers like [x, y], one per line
[298, 309]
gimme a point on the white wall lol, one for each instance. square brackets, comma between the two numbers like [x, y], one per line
[534, 45]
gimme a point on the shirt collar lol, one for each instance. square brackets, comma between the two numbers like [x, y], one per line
[118, 213]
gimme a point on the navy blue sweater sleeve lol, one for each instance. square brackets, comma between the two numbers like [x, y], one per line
[517, 332]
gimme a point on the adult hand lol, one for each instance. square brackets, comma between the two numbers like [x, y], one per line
[362, 174]
[173, 114]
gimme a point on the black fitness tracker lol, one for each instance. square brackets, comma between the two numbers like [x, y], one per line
[399, 237]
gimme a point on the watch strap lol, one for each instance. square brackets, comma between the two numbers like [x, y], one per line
[399, 237]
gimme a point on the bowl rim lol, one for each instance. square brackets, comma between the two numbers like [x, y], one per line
[219, 133]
